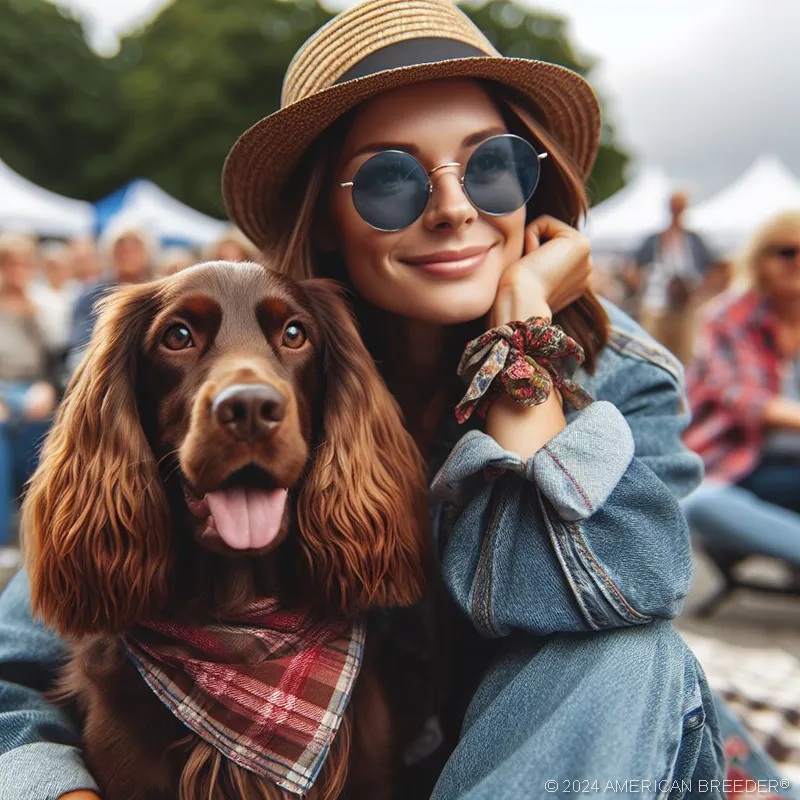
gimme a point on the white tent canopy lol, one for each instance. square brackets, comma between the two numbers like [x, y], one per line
[728, 218]
[642, 207]
[24, 206]
[144, 204]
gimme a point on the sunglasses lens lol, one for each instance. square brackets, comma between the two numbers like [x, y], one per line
[501, 174]
[390, 191]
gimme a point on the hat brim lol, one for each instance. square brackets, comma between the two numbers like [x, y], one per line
[266, 154]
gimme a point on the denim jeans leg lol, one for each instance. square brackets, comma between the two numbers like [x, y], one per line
[775, 483]
[625, 712]
[6, 482]
[734, 519]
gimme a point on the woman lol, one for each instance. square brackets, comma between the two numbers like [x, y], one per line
[745, 393]
[560, 538]
[26, 398]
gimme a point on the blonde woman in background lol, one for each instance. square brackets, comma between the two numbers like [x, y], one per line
[744, 388]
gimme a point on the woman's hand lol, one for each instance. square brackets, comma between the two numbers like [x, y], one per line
[83, 794]
[548, 277]
[544, 281]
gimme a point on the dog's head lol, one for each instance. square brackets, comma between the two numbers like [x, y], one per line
[233, 407]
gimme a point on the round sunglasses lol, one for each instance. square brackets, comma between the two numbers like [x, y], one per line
[391, 189]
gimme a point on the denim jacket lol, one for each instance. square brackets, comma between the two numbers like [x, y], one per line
[586, 535]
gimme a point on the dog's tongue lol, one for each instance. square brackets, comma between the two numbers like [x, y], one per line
[247, 518]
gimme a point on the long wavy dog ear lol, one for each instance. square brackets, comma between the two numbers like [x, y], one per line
[96, 519]
[362, 510]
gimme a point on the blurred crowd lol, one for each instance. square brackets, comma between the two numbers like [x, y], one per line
[48, 291]
[735, 326]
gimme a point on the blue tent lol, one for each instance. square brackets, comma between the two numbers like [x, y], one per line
[142, 204]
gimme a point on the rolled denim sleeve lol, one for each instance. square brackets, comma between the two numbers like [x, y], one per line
[589, 533]
[39, 747]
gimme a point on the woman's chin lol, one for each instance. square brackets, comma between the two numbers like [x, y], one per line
[454, 312]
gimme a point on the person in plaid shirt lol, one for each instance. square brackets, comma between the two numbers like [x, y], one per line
[744, 391]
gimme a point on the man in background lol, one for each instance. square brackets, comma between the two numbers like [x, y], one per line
[670, 268]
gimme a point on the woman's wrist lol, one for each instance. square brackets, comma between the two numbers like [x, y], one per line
[524, 430]
[519, 302]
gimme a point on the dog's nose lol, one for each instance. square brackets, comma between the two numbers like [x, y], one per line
[249, 411]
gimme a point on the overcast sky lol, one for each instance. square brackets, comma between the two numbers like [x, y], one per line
[699, 87]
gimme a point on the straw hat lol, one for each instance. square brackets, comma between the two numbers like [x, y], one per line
[371, 48]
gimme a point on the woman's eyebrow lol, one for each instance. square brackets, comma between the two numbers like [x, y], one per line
[481, 136]
[469, 141]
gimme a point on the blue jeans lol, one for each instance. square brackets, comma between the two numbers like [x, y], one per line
[20, 440]
[625, 713]
[733, 519]
[776, 480]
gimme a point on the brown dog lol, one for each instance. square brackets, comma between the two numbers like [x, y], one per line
[226, 438]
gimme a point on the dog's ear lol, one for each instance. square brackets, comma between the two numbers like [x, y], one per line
[95, 518]
[362, 510]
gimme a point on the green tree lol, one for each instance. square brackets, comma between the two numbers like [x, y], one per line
[205, 70]
[169, 105]
[201, 73]
[58, 101]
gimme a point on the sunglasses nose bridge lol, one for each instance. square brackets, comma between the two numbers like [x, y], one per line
[448, 202]
[454, 169]
[455, 164]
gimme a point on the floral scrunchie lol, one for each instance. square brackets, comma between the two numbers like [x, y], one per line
[524, 359]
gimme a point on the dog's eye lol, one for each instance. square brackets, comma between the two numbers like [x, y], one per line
[294, 335]
[177, 337]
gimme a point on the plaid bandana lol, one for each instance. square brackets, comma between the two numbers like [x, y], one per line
[524, 356]
[268, 689]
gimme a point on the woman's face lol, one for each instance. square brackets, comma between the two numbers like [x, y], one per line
[779, 265]
[16, 269]
[445, 267]
[130, 258]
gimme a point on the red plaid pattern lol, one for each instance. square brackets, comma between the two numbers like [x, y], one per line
[268, 689]
[735, 374]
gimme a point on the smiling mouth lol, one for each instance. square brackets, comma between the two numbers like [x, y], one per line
[245, 512]
[449, 257]
[449, 264]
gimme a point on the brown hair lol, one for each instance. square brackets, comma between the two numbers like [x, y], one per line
[561, 193]
[96, 518]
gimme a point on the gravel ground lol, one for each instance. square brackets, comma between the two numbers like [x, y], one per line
[745, 618]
